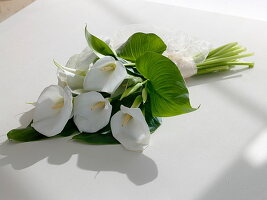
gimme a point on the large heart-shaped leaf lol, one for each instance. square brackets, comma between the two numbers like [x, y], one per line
[138, 44]
[166, 87]
[99, 47]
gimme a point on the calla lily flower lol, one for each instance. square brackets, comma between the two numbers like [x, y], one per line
[129, 127]
[74, 72]
[52, 110]
[91, 112]
[105, 75]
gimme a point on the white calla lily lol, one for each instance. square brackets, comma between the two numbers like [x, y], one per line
[105, 75]
[91, 112]
[52, 110]
[129, 127]
[74, 72]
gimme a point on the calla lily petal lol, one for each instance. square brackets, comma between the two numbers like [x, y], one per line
[74, 80]
[53, 110]
[66, 78]
[74, 72]
[129, 127]
[91, 112]
[85, 59]
[82, 61]
[105, 75]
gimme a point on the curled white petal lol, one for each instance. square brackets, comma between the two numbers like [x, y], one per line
[129, 127]
[66, 78]
[74, 72]
[86, 58]
[53, 110]
[186, 65]
[91, 112]
[105, 75]
[62, 78]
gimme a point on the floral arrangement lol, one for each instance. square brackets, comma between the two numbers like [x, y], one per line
[117, 93]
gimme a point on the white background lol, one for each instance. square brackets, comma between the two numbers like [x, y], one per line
[215, 153]
[255, 9]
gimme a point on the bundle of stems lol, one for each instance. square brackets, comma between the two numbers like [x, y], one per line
[224, 58]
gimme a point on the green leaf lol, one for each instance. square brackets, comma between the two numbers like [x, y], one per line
[69, 129]
[100, 137]
[166, 87]
[99, 47]
[137, 101]
[127, 101]
[152, 122]
[138, 44]
[30, 134]
[95, 138]
[25, 135]
[130, 90]
[144, 95]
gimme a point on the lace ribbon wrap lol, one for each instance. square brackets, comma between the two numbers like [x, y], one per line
[184, 50]
[186, 65]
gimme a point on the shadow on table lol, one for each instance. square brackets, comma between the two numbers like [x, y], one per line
[240, 182]
[213, 77]
[246, 178]
[11, 188]
[139, 168]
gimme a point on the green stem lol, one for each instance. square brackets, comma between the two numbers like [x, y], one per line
[250, 65]
[225, 63]
[228, 54]
[129, 64]
[133, 73]
[225, 59]
[221, 49]
[209, 70]
[233, 48]
[225, 51]
[132, 89]
[74, 71]
[144, 82]
[211, 65]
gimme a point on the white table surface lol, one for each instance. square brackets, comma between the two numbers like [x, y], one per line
[255, 9]
[216, 153]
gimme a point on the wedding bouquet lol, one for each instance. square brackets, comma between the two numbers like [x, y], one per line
[116, 91]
